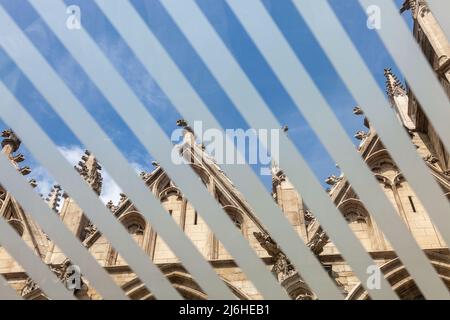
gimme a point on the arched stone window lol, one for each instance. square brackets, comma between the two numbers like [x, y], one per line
[355, 217]
[235, 215]
[359, 221]
[135, 224]
[136, 231]
[237, 218]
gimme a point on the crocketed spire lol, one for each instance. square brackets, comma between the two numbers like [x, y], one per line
[89, 169]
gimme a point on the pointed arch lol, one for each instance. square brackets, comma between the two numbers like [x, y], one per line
[136, 225]
[400, 280]
[360, 222]
[181, 281]
[236, 215]
[170, 191]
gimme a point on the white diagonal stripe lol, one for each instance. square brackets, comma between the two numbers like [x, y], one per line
[234, 81]
[301, 88]
[6, 292]
[33, 265]
[440, 9]
[183, 247]
[46, 153]
[190, 105]
[363, 86]
[13, 181]
[144, 126]
[420, 76]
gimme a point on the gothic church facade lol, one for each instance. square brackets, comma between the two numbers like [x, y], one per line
[437, 50]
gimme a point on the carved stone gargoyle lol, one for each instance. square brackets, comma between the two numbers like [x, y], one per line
[282, 267]
[332, 180]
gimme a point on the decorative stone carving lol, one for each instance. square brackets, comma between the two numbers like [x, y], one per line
[319, 240]
[29, 286]
[33, 183]
[25, 171]
[18, 158]
[123, 198]
[110, 205]
[361, 135]
[89, 230]
[431, 159]
[145, 175]
[10, 139]
[155, 164]
[89, 169]
[309, 217]
[332, 180]
[282, 267]
[182, 123]
[393, 85]
[416, 7]
[278, 175]
[357, 111]
[54, 197]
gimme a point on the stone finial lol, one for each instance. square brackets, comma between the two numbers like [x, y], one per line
[285, 129]
[182, 123]
[54, 197]
[29, 286]
[123, 198]
[10, 142]
[357, 111]
[278, 175]
[407, 5]
[18, 158]
[431, 159]
[416, 7]
[89, 169]
[33, 183]
[89, 230]
[155, 164]
[332, 180]
[25, 171]
[110, 205]
[393, 85]
[318, 241]
[361, 135]
[282, 267]
[267, 243]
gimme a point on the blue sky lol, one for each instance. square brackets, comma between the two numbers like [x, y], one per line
[237, 41]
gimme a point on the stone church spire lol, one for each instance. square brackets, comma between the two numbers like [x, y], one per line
[188, 146]
[393, 85]
[432, 30]
[398, 98]
[415, 6]
[89, 169]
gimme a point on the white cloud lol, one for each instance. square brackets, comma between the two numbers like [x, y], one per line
[72, 153]
[110, 189]
[44, 180]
